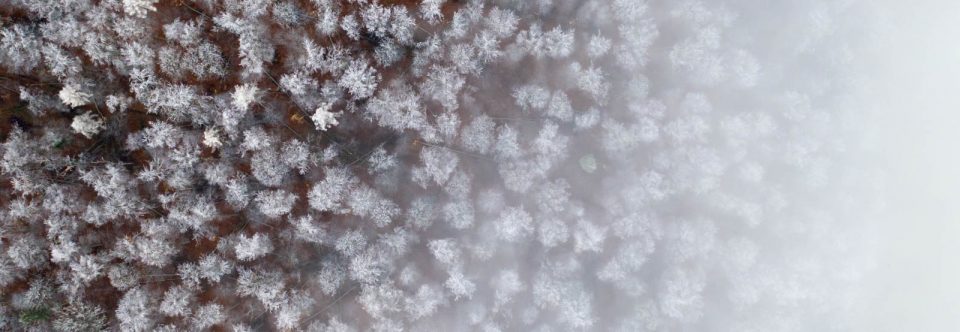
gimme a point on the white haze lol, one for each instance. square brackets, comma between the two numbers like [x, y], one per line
[734, 165]
[915, 72]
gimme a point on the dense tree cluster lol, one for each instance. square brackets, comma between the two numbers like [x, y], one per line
[351, 165]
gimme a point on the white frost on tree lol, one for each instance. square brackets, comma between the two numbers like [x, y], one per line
[139, 8]
[243, 95]
[253, 247]
[87, 124]
[135, 311]
[323, 118]
[275, 203]
[72, 96]
[359, 79]
[211, 138]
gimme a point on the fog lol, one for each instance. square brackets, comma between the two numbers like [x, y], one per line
[500, 165]
[914, 71]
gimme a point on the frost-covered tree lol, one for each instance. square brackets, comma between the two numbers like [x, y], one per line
[27, 252]
[72, 96]
[245, 95]
[87, 124]
[80, 316]
[359, 79]
[21, 47]
[139, 8]
[177, 301]
[253, 247]
[275, 203]
[207, 316]
[323, 118]
[135, 311]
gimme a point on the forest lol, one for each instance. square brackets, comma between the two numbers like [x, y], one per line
[446, 165]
